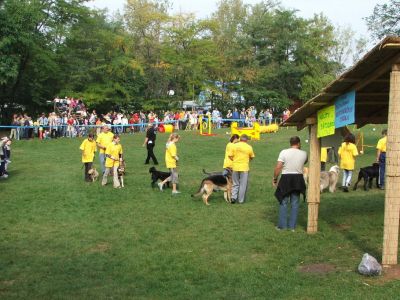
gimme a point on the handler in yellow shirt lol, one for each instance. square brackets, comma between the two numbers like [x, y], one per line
[171, 159]
[240, 154]
[103, 140]
[228, 163]
[113, 155]
[88, 148]
[347, 155]
[381, 158]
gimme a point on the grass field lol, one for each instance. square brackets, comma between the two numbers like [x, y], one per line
[61, 238]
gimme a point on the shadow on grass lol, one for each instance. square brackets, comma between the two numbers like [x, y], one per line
[351, 216]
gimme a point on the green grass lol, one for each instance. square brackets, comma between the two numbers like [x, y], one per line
[61, 238]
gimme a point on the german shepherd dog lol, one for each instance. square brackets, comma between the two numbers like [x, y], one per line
[215, 183]
[368, 174]
[158, 175]
[121, 173]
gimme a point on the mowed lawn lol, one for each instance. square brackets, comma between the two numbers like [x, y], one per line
[61, 238]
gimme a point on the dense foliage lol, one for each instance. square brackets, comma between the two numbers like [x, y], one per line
[262, 53]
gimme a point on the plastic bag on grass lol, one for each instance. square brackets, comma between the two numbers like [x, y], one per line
[369, 266]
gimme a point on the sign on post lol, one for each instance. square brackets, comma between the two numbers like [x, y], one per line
[340, 114]
[344, 109]
[326, 121]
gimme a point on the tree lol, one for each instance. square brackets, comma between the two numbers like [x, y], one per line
[98, 64]
[385, 20]
[29, 31]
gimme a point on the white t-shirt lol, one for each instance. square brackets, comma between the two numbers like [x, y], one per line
[293, 160]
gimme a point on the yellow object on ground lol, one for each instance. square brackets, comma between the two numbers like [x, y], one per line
[169, 128]
[253, 132]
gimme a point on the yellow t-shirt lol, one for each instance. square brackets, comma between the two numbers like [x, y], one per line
[114, 151]
[347, 155]
[228, 163]
[88, 148]
[170, 155]
[241, 152]
[382, 144]
[105, 139]
[324, 154]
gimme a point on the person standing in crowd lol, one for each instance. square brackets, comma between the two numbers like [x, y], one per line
[4, 159]
[113, 155]
[228, 163]
[240, 154]
[103, 140]
[15, 124]
[347, 155]
[88, 148]
[381, 158]
[150, 142]
[291, 184]
[171, 160]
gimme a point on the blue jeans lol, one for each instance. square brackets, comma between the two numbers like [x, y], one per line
[283, 208]
[102, 158]
[382, 165]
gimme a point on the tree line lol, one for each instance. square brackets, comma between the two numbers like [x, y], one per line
[265, 53]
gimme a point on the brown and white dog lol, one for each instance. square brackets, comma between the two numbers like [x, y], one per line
[329, 179]
[215, 183]
[93, 174]
[121, 173]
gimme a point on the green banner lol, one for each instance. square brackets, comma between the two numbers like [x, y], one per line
[326, 121]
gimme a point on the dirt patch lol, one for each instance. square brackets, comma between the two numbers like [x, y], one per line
[7, 282]
[317, 269]
[342, 227]
[99, 248]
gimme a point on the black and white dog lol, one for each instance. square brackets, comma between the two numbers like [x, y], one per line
[368, 174]
[158, 175]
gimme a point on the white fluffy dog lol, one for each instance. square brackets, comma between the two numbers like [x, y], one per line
[329, 179]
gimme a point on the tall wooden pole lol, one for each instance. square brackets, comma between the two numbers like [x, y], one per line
[313, 192]
[392, 180]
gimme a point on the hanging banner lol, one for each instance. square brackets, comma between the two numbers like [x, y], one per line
[326, 121]
[345, 109]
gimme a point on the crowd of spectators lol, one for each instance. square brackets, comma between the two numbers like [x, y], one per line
[70, 118]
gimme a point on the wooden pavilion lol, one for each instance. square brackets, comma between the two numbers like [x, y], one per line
[376, 82]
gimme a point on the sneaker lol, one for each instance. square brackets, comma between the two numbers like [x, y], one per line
[175, 192]
[278, 228]
[345, 189]
[233, 201]
[160, 186]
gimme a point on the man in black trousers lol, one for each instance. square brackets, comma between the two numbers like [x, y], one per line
[150, 142]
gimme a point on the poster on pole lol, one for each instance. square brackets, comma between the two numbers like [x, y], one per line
[326, 121]
[345, 109]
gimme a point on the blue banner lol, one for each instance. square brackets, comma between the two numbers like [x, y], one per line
[345, 109]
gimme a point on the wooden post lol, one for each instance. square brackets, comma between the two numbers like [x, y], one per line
[392, 180]
[313, 192]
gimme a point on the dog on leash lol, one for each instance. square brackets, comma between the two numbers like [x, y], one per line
[215, 183]
[93, 174]
[368, 174]
[121, 173]
[158, 175]
[329, 179]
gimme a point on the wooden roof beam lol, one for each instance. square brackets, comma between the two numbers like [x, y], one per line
[386, 67]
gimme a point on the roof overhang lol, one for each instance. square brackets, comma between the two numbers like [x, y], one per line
[370, 78]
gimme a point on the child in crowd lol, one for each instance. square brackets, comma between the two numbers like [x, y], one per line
[88, 148]
[171, 159]
[347, 155]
